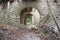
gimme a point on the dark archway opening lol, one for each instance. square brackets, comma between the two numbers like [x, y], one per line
[29, 15]
[25, 15]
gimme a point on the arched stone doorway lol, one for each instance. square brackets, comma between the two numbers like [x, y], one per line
[29, 15]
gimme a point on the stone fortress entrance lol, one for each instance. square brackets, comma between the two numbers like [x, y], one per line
[30, 12]
[35, 17]
[29, 15]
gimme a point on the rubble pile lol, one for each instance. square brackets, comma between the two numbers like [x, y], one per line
[8, 32]
[14, 33]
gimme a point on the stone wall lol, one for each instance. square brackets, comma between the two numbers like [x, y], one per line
[11, 15]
